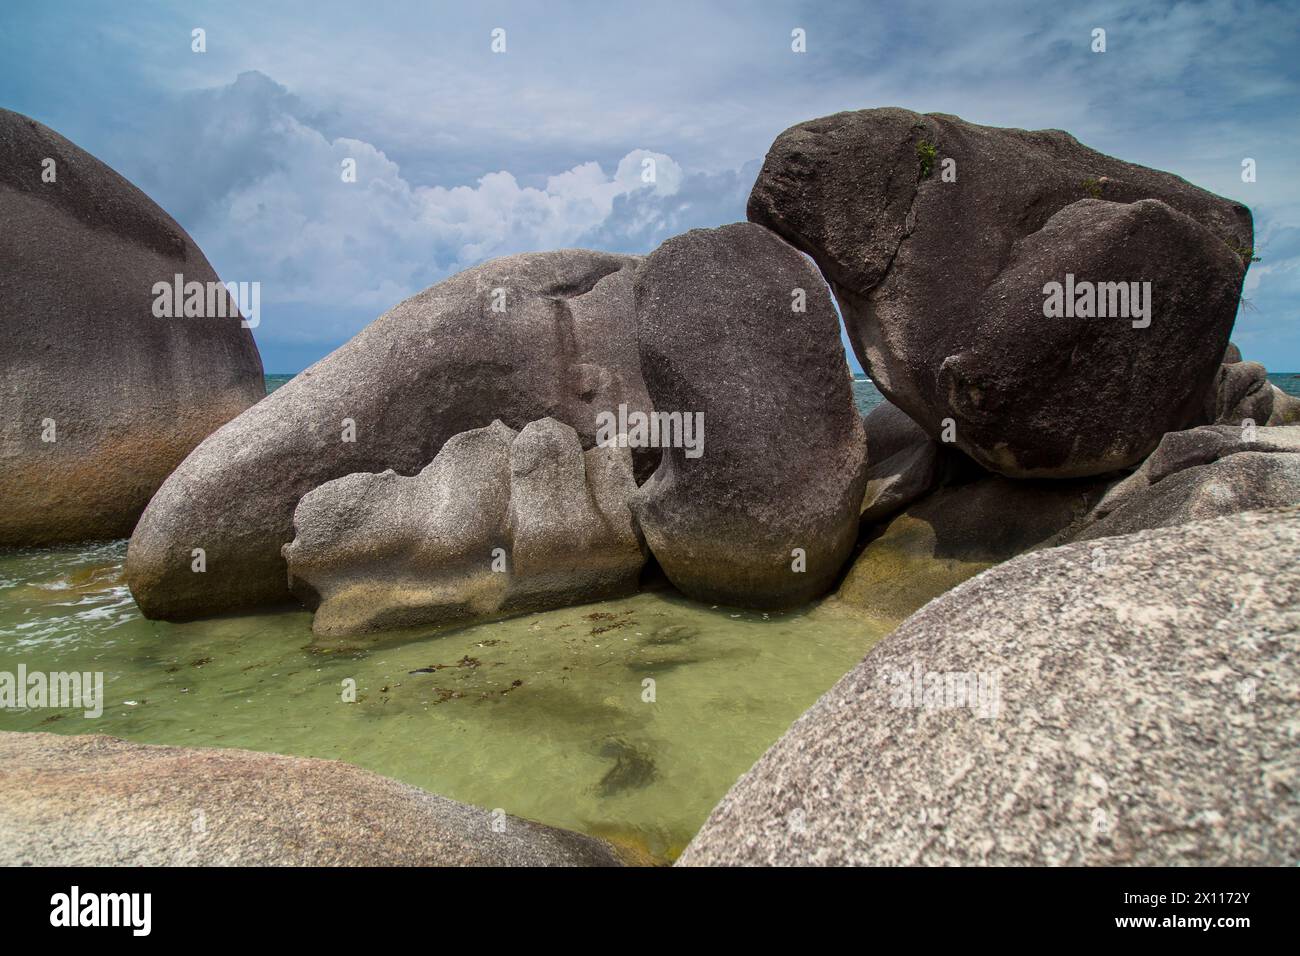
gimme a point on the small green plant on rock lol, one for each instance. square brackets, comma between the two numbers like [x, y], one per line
[1246, 252]
[1092, 187]
[926, 152]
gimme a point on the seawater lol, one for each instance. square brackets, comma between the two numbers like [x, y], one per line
[627, 719]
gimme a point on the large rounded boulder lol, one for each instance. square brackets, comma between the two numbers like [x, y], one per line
[99, 801]
[758, 506]
[517, 339]
[102, 396]
[1132, 704]
[942, 239]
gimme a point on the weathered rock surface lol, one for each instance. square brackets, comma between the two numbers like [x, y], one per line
[499, 522]
[440, 363]
[889, 430]
[1246, 481]
[902, 462]
[1239, 394]
[1286, 408]
[954, 534]
[101, 399]
[783, 462]
[1188, 477]
[896, 482]
[1241, 391]
[942, 282]
[99, 801]
[1200, 446]
[1145, 714]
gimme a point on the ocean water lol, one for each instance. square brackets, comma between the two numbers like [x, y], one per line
[627, 719]
[867, 396]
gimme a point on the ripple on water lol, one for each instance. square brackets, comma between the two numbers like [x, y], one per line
[628, 719]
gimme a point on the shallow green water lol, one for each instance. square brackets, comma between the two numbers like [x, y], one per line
[542, 716]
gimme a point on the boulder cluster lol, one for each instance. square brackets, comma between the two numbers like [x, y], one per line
[1050, 327]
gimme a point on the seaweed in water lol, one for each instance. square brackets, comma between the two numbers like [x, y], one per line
[632, 770]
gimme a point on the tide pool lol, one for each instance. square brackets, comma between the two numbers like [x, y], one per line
[627, 719]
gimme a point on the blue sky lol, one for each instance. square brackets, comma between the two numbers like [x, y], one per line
[463, 154]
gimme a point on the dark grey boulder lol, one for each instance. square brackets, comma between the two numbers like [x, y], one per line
[101, 398]
[1065, 708]
[500, 522]
[941, 282]
[100, 801]
[440, 363]
[899, 480]
[890, 430]
[768, 513]
[902, 462]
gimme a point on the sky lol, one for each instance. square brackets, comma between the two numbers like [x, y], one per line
[464, 154]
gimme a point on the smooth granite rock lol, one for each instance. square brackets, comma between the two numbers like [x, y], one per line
[563, 345]
[100, 399]
[939, 238]
[99, 801]
[1157, 494]
[767, 513]
[902, 462]
[1127, 702]
[1245, 481]
[1241, 392]
[1286, 408]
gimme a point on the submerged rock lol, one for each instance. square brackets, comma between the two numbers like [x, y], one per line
[738, 328]
[1056, 710]
[102, 398]
[100, 801]
[499, 522]
[956, 533]
[517, 339]
[939, 238]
